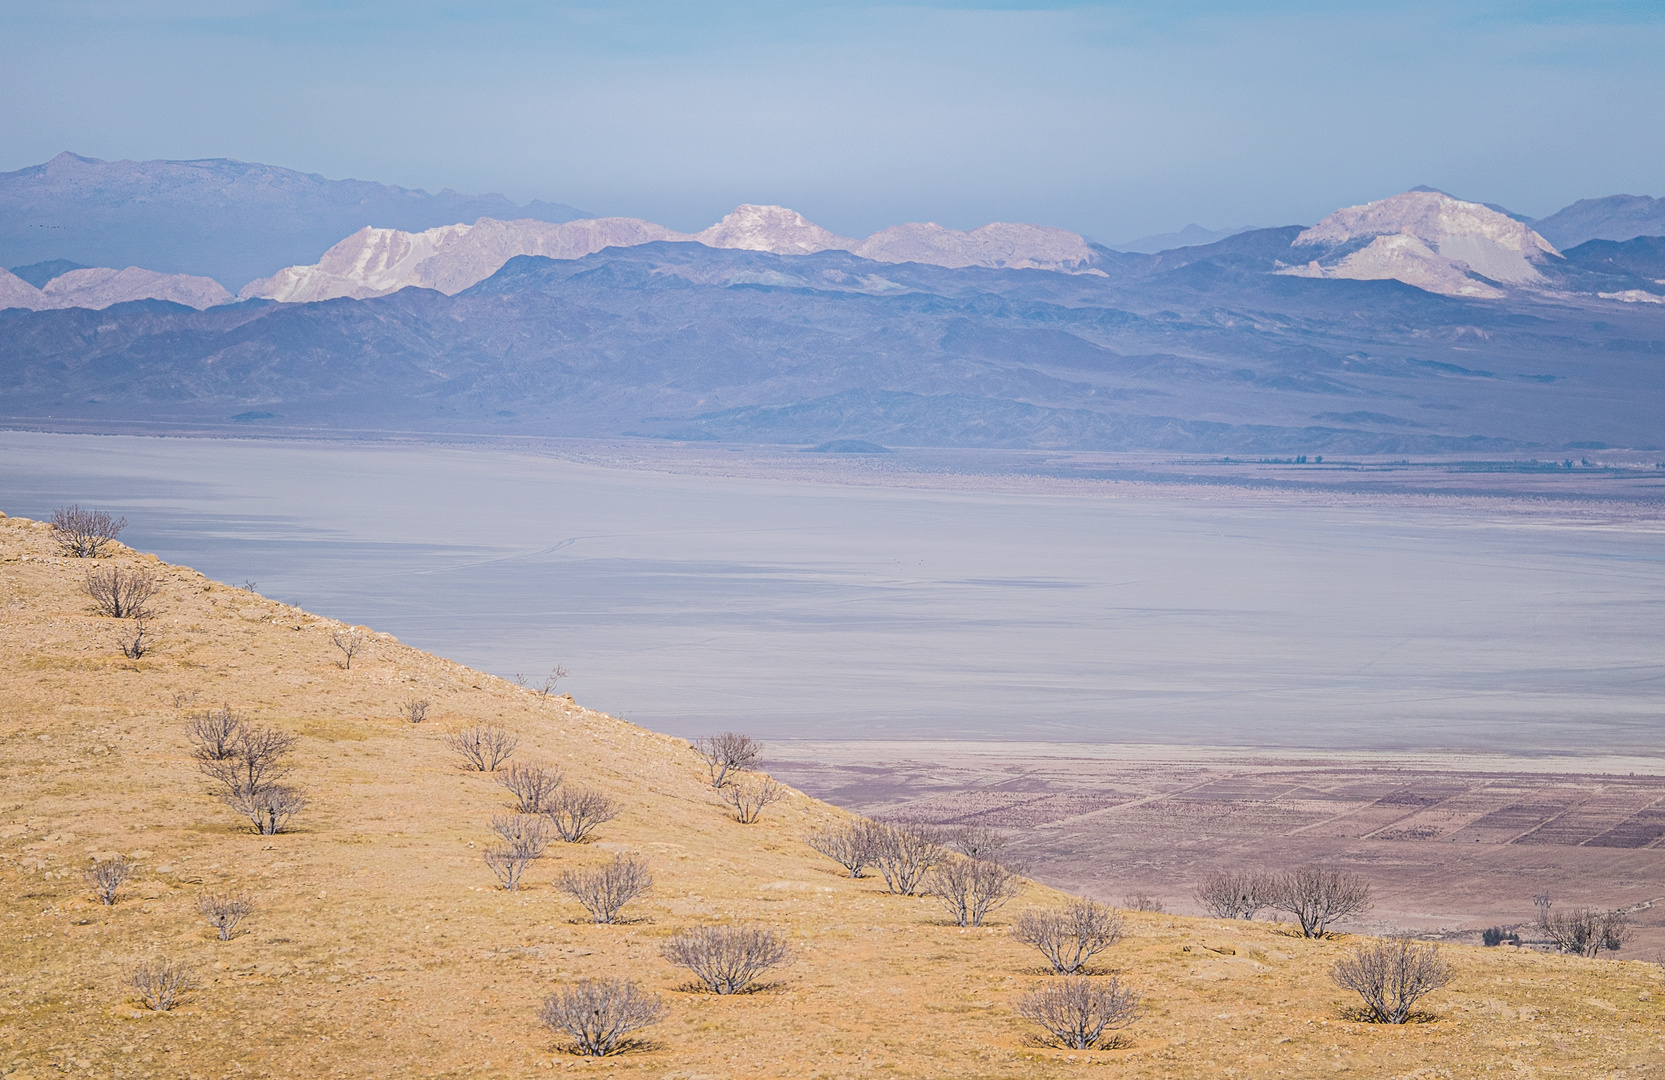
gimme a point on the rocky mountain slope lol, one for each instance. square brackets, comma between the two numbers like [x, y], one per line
[96, 288]
[379, 943]
[1617, 217]
[1429, 240]
[375, 262]
[228, 220]
[1203, 350]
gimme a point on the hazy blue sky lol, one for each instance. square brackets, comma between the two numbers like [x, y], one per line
[1115, 119]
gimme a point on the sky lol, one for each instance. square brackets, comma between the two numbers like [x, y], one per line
[1111, 119]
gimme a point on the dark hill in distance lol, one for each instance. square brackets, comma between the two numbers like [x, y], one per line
[1197, 351]
[233, 221]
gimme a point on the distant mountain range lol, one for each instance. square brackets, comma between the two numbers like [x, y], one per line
[1417, 323]
[228, 220]
[1200, 350]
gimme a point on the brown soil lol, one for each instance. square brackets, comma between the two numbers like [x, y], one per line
[379, 947]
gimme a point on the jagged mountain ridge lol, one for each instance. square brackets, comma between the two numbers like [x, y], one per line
[1198, 350]
[228, 220]
[98, 287]
[374, 262]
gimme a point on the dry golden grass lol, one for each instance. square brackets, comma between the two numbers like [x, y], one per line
[380, 947]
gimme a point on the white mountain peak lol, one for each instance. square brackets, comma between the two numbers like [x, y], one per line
[374, 262]
[772, 228]
[1430, 240]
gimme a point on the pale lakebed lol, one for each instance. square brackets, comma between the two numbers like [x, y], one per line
[819, 611]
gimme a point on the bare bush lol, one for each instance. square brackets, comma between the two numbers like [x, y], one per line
[600, 1014]
[483, 747]
[1320, 895]
[1077, 1012]
[214, 734]
[528, 833]
[904, 853]
[162, 984]
[268, 807]
[727, 753]
[576, 812]
[224, 912]
[1236, 894]
[556, 674]
[135, 646]
[1069, 937]
[351, 643]
[605, 889]
[1143, 901]
[979, 842]
[508, 862]
[82, 534]
[727, 959]
[850, 844]
[971, 888]
[532, 785]
[749, 797]
[1585, 931]
[415, 710]
[121, 594]
[106, 878]
[246, 763]
[1392, 976]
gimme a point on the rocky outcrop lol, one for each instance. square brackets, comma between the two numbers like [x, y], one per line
[374, 262]
[1000, 245]
[1426, 239]
[771, 228]
[99, 287]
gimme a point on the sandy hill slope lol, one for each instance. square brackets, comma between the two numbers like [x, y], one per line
[379, 947]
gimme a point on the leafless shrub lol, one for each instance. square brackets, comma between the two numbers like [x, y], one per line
[600, 1014]
[971, 888]
[904, 853]
[528, 833]
[268, 807]
[1143, 902]
[484, 747]
[82, 534]
[749, 797]
[605, 889]
[162, 984]
[1239, 894]
[224, 912]
[850, 844]
[1585, 931]
[532, 785]
[246, 763]
[351, 643]
[727, 959]
[135, 646]
[508, 862]
[106, 878]
[1069, 937]
[121, 594]
[576, 812]
[1319, 895]
[415, 710]
[555, 676]
[979, 842]
[1392, 976]
[182, 698]
[727, 753]
[214, 734]
[1077, 1012]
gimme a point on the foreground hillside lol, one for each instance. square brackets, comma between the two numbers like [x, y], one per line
[379, 946]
